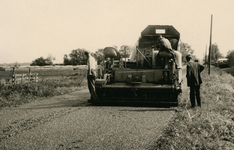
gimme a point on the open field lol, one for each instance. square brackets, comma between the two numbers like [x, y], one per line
[44, 72]
[51, 81]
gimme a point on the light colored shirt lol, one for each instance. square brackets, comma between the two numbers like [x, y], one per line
[92, 64]
[166, 43]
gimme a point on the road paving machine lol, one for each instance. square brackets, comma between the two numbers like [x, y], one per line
[151, 73]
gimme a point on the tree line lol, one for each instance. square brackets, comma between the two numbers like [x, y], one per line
[77, 56]
[215, 55]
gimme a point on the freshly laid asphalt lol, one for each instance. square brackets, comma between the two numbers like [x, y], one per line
[70, 122]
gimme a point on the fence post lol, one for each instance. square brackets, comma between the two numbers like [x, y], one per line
[36, 78]
[29, 71]
[22, 77]
[13, 76]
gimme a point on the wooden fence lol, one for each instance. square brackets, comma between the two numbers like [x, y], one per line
[22, 78]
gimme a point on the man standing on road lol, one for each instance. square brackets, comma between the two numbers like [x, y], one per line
[91, 76]
[194, 80]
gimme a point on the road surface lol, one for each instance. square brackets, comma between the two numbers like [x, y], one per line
[70, 122]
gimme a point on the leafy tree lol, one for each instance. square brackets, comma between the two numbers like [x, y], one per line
[215, 53]
[41, 62]
[17, 65]
[51, 57]
[66, 60]
[186, 49]
[99, 56]
[125, 51]
[230, 57]
[116, 47]
[76, 57]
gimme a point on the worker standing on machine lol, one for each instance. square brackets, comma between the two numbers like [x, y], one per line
[91, 76]
[166, 46]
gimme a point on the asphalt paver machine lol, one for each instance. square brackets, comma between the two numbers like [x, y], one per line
[147, 75]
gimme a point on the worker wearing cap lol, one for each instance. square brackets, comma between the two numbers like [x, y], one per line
[91, 76]
[194, 80]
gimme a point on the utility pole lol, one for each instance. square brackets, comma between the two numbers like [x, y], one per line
[206, 61]
[125, 56]
[210, 45]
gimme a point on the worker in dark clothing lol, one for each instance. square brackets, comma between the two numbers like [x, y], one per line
[194, 80]
[91, 76]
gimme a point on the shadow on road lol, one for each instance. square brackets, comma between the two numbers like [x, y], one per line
[135, 105]
[144, 110]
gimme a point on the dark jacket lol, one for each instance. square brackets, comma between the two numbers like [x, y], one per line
[193, 73]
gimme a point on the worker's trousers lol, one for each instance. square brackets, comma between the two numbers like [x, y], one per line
[91, 85]
[195, 91]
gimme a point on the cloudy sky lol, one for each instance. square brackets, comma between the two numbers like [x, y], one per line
[30, 29]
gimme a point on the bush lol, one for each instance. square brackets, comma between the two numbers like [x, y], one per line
[42, 62]
[230, 57]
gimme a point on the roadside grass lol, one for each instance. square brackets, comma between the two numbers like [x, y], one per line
[46, 87]
[209, 127]
[231, 70]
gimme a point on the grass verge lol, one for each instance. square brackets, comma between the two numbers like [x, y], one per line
[208, 127]
[23, 93]
[231, 70]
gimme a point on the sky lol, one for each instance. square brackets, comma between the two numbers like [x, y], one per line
[30, 29]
